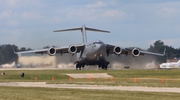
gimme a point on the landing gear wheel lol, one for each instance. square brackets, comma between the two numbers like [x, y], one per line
[99, 66]
[104, 67]
[78, 66]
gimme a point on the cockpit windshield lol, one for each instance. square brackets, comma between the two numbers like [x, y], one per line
[97, 42]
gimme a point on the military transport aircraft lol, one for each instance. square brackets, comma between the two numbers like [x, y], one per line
[92, 53]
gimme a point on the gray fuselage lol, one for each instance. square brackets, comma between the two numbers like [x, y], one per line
[93, 54]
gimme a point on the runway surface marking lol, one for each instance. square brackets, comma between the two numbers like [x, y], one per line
[92, 87]
[90, 75]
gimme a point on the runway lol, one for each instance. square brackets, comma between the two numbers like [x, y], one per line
[92, 87]
[37, 69]
[90, 75]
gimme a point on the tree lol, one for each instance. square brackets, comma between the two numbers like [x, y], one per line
[7, 54]
[159, 48]
[171, 52]
[23, 49]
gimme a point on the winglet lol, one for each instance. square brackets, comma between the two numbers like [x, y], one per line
[164, 52]
[14, 50]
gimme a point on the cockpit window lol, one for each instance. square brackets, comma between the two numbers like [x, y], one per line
[97, 43]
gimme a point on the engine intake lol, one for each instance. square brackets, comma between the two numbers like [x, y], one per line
[117, 50]
[135, 52]
[72, 49]
[51, 51]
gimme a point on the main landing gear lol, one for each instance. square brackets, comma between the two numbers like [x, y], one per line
[79, 66]
[103, 66]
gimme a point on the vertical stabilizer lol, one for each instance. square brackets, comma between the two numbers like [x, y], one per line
[84, 34]
[83, 31]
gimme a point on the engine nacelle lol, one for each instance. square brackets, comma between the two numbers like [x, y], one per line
[72, 49]
[51, 51]
[135, 52]
[117, 50]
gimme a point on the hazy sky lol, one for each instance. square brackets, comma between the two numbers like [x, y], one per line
[30, 23]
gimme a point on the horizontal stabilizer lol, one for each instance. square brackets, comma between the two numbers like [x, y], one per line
[72, 29]
[83, 30]
[86, 28]
[97, 30]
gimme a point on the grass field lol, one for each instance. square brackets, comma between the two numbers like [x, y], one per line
[23, 93]
[151, 78]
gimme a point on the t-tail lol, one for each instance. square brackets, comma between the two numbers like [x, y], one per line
[83, 30]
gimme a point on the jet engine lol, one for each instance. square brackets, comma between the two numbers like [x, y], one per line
[51, 51]
[72, 49]
[117, 50]
[135, 52]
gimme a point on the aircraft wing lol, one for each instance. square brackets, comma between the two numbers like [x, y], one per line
[54, 50]
[32, 51]
[129, 51]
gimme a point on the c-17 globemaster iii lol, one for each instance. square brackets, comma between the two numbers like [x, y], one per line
[92, 53]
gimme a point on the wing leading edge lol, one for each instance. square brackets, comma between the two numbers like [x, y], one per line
[60, 50]
[131, 51]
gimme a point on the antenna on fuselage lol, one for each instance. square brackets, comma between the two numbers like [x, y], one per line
[83, 31]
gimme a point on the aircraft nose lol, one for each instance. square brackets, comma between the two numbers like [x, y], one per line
[98, 47]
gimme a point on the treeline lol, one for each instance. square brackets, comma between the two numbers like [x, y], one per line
[7, 53]
[159, 47]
